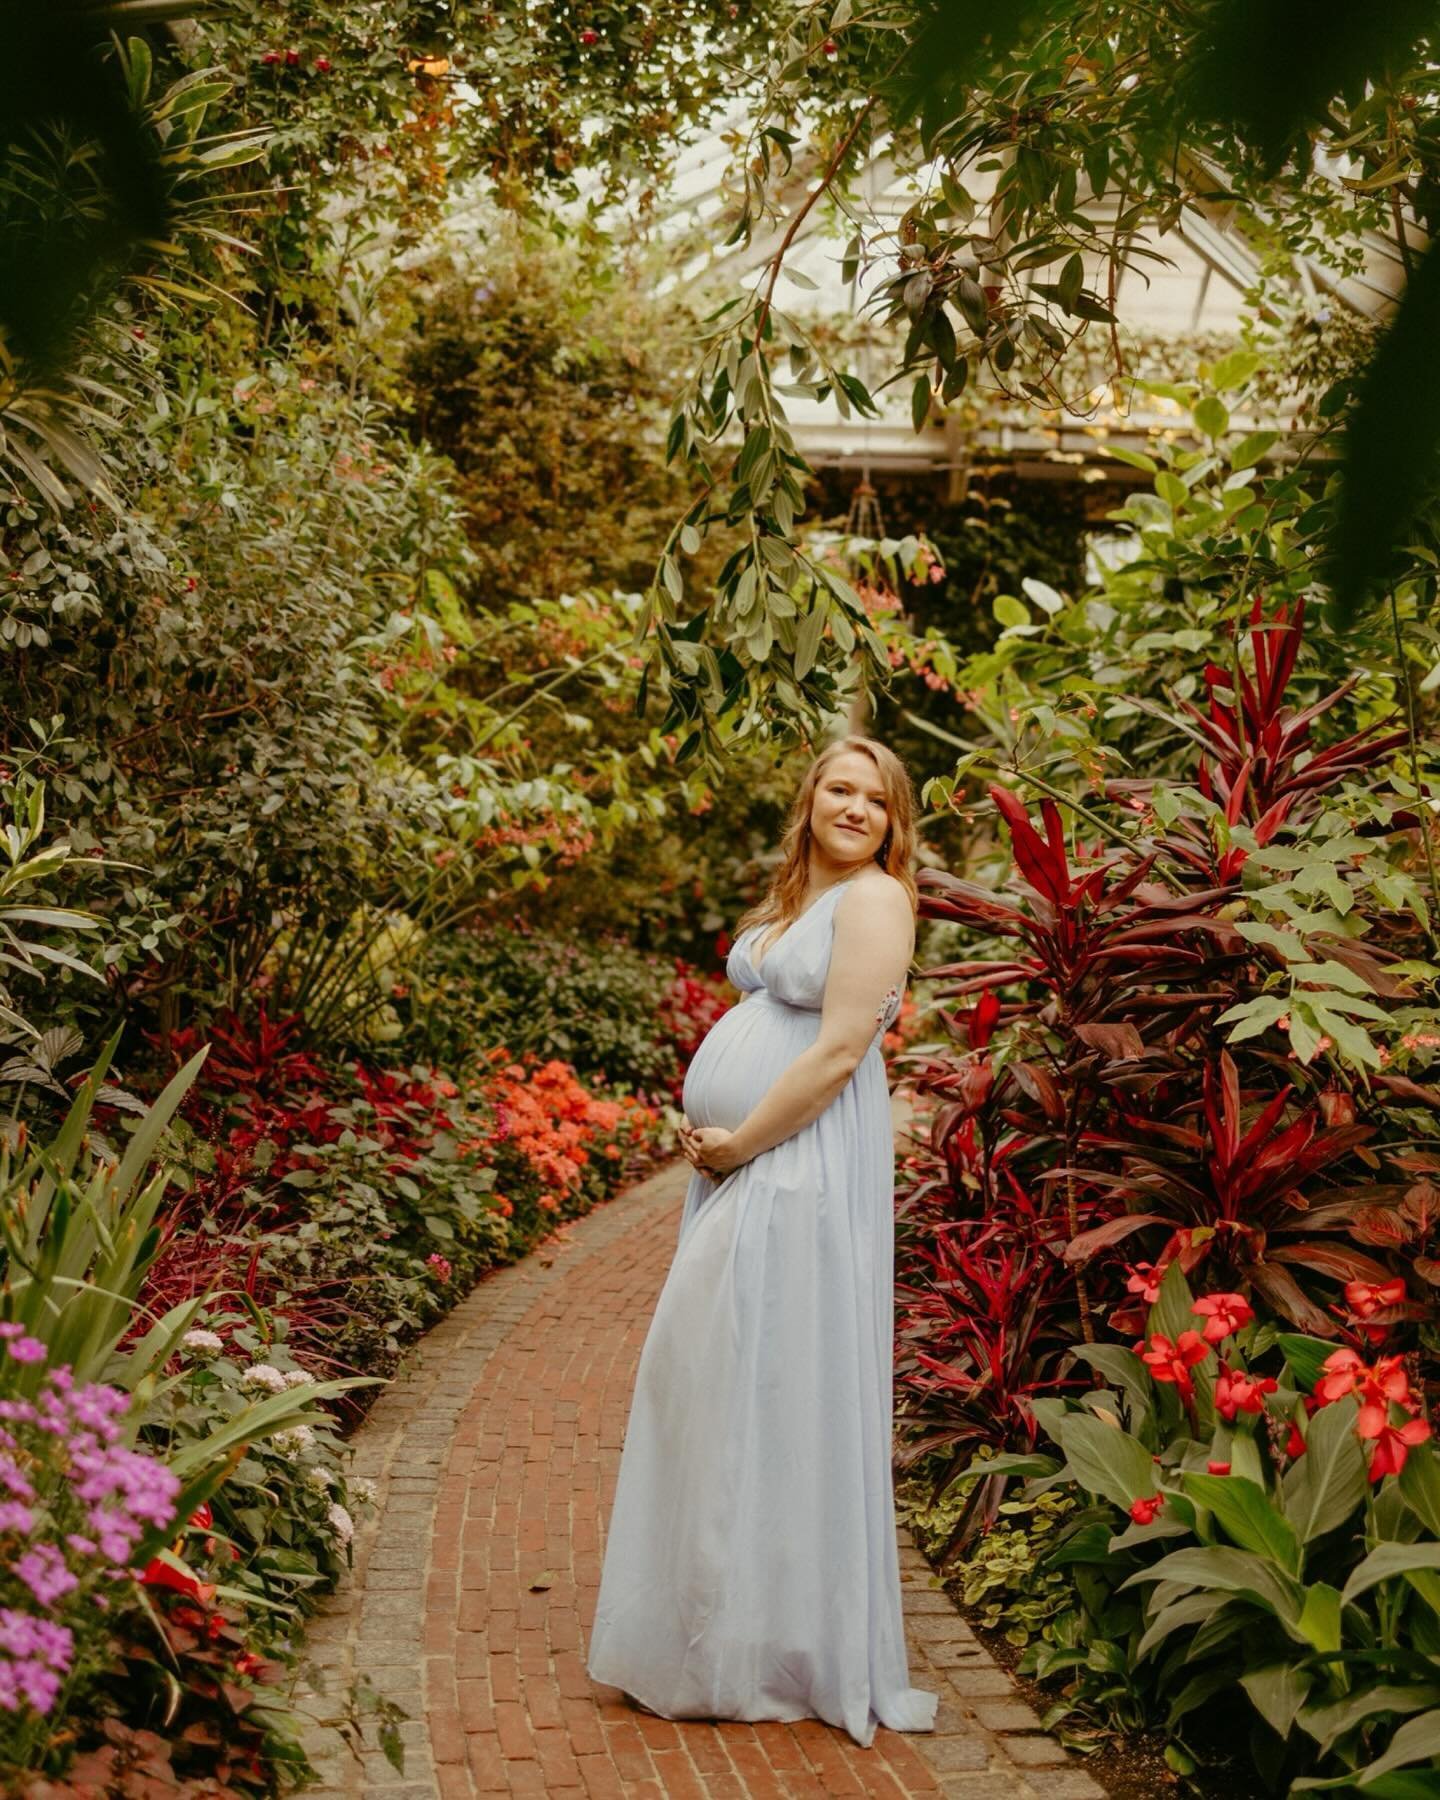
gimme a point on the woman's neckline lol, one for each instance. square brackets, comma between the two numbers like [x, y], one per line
[804, 913]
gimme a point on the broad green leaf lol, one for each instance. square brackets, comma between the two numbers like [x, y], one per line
[1277, 1692]
[1329, 1482]
[1190, 1609]
[1246, 1516]
[1106, 1460]
[1419, 1483]
[1211, 417]
[1327, 1723]
[1417, 1740]
[1320, 1617]
[1234, 369]
[1305, 1357]
[1387, 1561]
[1230, 1571]
[1122, 1367]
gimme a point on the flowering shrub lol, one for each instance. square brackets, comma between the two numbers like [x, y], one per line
[1274, 1531]
[629, 1018]
[1169, 1047]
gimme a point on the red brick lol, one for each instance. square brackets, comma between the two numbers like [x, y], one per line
[513, 1725]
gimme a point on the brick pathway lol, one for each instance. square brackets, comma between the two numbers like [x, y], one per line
[496, 1452]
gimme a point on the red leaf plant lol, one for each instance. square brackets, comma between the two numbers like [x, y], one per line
[1091, 1096]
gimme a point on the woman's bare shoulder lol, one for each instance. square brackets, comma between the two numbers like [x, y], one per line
[878, 900]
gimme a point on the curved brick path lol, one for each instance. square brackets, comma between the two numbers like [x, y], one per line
[495, 1452]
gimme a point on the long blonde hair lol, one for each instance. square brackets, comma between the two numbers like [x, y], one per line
[785, 899]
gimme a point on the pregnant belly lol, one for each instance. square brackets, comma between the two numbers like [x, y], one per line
[741, 1056]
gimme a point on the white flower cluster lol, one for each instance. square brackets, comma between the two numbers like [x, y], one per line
[298, 1378]
[203, 1343]
[293, 1441]
[318, 1480]
[263, 1376]
[340, 1522]
[362, 1489]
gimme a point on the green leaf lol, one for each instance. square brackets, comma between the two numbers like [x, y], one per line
[1387, 1561]
[920, 402]
[1234, 369]
[1211, 416]
[1106, 1460]
[1305, 1357]
[1230, 1571]
[1043, 595]
[808, 635]
[1243, 1512]
[1277, 1692]
[1329, 1482]
[1419, 1483]
[1327, 1723]
[1010, 611]
[1250, 449]
[1417, 1740]
[1320, 1617]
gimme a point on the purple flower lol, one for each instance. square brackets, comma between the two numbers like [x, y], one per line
[44, 1572]
[14, 1481]
[27, 1350]
[11, 1328]
[16, 1516]
[34, 1654]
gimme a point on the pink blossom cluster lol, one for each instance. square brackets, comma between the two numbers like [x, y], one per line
[76, 1504]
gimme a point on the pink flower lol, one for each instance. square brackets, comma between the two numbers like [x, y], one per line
[43, 1570]
[1237, 1392]
[1223, 1314]
[27, 1350]
[440, 1265]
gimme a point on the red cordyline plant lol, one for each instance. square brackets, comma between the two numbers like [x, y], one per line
[1092, 1096]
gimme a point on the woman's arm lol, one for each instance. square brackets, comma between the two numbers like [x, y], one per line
[874, 941]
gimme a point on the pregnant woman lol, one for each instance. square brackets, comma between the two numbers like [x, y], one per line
[750, 1564]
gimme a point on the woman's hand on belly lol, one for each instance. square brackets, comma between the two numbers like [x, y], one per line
[710, 1148]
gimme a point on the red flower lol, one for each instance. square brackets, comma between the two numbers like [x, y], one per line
[1173, 1362]
[1392, 1443]
[1295, 1443]
[1217, 1468]
[322, 63]
[1143, 1511]
[166, 1575]
[271, 57]
[1223, 1314]
[1365, 1298]
[1347, 1373]
[1237, 1392]
[202, 1518]
[589, 36]
[292, 58]
[1144, 1279]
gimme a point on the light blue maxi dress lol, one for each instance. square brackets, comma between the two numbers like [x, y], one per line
[750, 1566]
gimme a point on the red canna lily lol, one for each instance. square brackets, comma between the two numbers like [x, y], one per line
[1393, 1443]
[1346, 1372]
[1295, 1443]
[1223, 1314]
[1237, 1391]
[159, 1573]
[1173, 1362]
[1143, 1511]
[1217, 1468]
